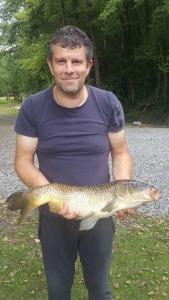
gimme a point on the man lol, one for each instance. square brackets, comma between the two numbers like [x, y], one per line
[72, 127]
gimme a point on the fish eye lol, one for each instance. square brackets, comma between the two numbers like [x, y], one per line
[138, 185]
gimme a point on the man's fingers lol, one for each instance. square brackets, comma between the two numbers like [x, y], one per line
[66, 213]
[71, 216]
[131, 211]
[65, 210]
[122, 214]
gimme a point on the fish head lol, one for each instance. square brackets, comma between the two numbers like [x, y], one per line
[135, 193]
[143, 190]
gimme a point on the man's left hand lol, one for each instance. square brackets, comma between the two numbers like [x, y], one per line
[123, 213]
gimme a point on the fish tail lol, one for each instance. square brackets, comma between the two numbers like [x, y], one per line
[20, 201]
[17, 200]
[25, 212]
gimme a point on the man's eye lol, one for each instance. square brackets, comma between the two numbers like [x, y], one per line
[60, 62]
[77, 62]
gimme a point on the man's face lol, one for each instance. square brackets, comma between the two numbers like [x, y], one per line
[69, 68]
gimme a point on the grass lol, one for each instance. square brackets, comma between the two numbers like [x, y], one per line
[155, 114]
[6, 108]
[139, 268]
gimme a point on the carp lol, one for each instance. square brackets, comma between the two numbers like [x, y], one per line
[91, 203]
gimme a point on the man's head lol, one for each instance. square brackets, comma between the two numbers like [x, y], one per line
[70, 59]
[71, 37]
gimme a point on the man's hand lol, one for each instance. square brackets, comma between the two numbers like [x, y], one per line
[65, 212]
[123, 213]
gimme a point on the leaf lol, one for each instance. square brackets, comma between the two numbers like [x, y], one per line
[36, 240]
[116, 285]
[151, 293]
[5, 239]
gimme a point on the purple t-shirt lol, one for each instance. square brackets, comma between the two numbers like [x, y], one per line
[73, 146]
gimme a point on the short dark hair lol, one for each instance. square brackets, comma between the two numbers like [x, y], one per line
[71, 37]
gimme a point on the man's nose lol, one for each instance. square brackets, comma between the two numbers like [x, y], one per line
[69, 67]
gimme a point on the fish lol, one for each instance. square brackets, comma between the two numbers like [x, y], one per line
[91, 203]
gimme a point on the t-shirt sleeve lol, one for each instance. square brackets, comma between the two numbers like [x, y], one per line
[116, 121]
[25, 122]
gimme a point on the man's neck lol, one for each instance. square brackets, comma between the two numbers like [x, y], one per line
[70, 100]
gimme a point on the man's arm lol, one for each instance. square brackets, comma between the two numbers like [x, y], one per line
[121, 158]
[27, 171]
[24, 162]
[121, 161]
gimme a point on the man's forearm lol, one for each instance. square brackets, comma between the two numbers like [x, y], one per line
[122, 166]
[29, 174]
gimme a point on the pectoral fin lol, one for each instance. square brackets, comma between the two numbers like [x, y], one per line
[108, 207]
[89, 222]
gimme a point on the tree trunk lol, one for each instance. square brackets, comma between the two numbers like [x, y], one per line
[132, 92]
[95, 54]
[96, 62]
[165, 86]
[74, 10]
[158, 85]
[63, 12]
[165, 79]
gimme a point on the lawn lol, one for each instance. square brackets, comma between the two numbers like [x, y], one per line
[8, 108]
[139, 268]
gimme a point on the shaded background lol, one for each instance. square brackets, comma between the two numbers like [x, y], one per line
[131, 49]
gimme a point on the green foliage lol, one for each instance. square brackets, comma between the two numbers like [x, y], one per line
[110, 9]
[8, 107]
[131, 45]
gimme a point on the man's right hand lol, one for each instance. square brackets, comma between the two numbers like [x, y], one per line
[67, 214]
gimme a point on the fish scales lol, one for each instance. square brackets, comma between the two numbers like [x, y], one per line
[89, 199]
[92, 199]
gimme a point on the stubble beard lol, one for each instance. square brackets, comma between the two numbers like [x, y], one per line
[71, 90]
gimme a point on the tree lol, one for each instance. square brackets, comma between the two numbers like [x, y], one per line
[130, 40]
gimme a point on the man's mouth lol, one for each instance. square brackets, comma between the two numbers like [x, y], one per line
[67, 79]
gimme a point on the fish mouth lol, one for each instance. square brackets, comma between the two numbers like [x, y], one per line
[154, 193]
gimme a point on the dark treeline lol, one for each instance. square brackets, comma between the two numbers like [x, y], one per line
[130, 38]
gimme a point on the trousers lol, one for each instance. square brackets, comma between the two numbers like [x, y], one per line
[61, 242]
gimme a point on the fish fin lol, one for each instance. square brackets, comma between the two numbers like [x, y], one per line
[108, 207]
[25, 212]
[90, 222]
[17, 200]
[55, 206]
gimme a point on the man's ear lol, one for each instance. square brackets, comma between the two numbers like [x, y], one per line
[90, 64]
[49, 62]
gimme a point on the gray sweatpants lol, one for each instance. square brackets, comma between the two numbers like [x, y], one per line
[61, 241]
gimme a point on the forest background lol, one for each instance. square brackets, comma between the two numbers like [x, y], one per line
[131, 49]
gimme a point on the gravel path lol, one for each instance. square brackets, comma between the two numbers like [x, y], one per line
[149, 148]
